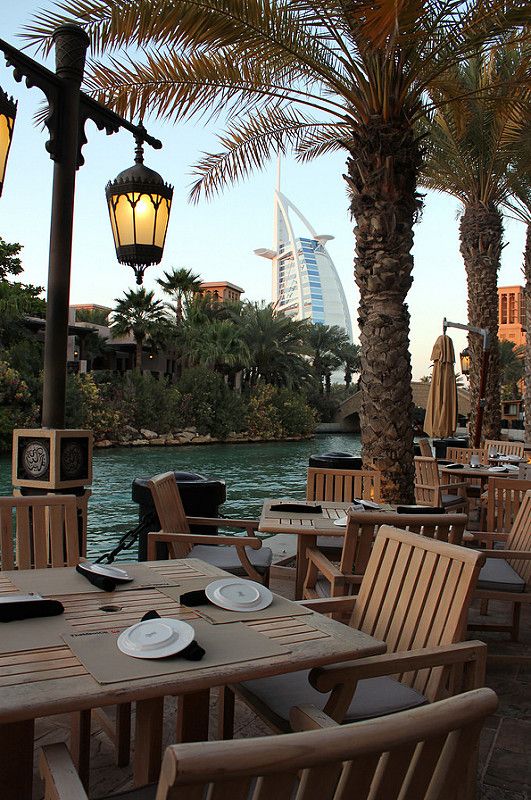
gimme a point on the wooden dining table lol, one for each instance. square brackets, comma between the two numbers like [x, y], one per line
[60, 670]
[306, 527]
[482, 473]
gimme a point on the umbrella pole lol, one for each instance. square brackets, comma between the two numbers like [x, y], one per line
[481, 400]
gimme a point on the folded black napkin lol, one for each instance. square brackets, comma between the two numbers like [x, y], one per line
[101, 581]
[455, 466]
[197, 598]
[420, 510]
[194, 651]
[297, 508]
[29, 609]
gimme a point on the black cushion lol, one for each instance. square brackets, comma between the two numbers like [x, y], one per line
[498, 575]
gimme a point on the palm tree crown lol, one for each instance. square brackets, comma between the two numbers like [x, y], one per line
[181, 284]
[138, 313]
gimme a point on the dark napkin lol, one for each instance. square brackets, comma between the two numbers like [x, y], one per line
[196, 598]
[101, 581]
[420, 510]
[194, 651]
[297, 508]
[29, 609]
[455, 466]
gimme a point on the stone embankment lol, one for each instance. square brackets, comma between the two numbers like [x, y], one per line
[131, 437]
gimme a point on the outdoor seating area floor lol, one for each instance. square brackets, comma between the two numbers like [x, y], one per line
[505, 750]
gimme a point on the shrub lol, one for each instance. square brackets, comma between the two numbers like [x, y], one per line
[17, 409]
[208, 404]
[146, 402]
[296, 416]
[85, 408]
[263, 418]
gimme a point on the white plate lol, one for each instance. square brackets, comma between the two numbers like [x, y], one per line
[20, 598]
[511, 459]
[237, 594]
[156, 638]
[497, 469]
[366, 503]
[341, 522]
[107, 571]
[512, 467]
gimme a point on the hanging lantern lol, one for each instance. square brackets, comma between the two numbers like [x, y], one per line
[464, 357]
[8, 112]
[139, 207]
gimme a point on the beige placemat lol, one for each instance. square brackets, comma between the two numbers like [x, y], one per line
[56, 582]
[33, 634]
[280, 607]
[99, 653]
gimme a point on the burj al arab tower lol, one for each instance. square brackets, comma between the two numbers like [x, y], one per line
[305, 281]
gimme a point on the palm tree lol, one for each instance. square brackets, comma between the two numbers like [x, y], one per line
[350, 355]
[327, 344]
[218, 344]
[180, 284]
[313, 77]
[512, 369]
[138, 313]
[469, 153]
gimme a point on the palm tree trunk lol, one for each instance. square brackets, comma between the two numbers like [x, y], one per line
[383, 169]
[481, 233]
[138, 356]
[527, 353]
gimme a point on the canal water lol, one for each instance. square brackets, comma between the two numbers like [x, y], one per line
[251, 472]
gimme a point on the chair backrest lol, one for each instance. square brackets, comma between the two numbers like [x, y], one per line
[505, 496]
[415, 594]
[505, 448]
[168, 504]
[343, 485]
[520, 538]
[425, 448]
[462, 455]
[427, 492]
[524, 472]
[423, 753]
[38, 532]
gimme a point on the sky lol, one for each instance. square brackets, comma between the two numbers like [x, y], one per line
[217, 238]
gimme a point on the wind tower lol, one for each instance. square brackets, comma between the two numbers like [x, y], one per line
[305, 283]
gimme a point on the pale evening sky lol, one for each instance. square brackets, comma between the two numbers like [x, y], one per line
[216, 239]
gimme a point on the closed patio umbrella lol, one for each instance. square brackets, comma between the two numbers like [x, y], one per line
[441, 409]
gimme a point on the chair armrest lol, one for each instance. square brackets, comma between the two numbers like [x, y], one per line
[518, 555]
[456, 485]
[490, 538]
[199, 538]
[61, 781]
[309, 718]
[322, 563]
[327, 605]
[324, 679]
[250, 525]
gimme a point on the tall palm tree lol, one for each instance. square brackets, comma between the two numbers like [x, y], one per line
[327, 344]
[138, 313]
[218, 344]
[180, 284]
[511, 368]
[469, 152]
[351, 359]
[314, 77]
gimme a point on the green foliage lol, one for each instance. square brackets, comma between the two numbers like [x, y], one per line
[263, 419]
[512, 368]
[296, 416]
[84, 408]
[208, 404]
[145, 402]
[10, 263]
[96, 316]
[17, 409]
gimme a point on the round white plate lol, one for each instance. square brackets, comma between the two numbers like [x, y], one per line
[511, 467]
[341, 522]
[107, 571]
[237, 594]
[156, 638]
[497, 469]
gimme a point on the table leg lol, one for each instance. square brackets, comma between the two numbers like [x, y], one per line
[303, 543]
[148, 740]
[80, 744]
[16, 759]
[192, 717]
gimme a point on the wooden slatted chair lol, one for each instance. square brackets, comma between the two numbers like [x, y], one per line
[504, 498]
[343, 484]
[462, 455]
[325, 579]
[239, 555]
[506, 576]
[38, 532]
[505, 448]
[425, 448]
[524, 472]
[429, 491]
[415, 596]
[425, 754]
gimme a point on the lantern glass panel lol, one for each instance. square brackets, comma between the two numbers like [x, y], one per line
[162, 222]
[145, 219]
[6, 131]
[124, 216]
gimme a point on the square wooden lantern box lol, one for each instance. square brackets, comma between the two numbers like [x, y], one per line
[51, 458]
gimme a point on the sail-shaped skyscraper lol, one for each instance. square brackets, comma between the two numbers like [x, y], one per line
[305, 281]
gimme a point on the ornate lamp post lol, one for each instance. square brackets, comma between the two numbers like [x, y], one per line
[8, 112]
[69, 109]
[465, 369]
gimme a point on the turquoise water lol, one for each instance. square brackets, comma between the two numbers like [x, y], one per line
[251, 472]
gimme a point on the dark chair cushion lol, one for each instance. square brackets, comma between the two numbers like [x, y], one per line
[498, 575]
[143, 793]
[374, 697]
[452, 499]
[227, 558]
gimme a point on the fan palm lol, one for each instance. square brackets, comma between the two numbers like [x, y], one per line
[327, 344]
[180, 284]
[138, 314]
[314, 76]
[475, 130]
